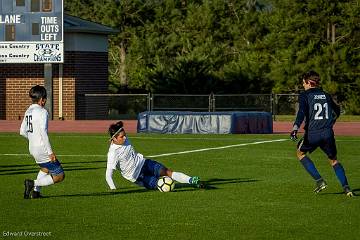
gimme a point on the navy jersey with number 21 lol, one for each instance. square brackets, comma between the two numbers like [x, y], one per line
[317, 108]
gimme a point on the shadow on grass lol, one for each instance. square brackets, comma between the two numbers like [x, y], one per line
[221, 181]
[27, 171]
[356, 191]
[17, 166]
[82, 162]
[180, 187]
[18, 169]
[99, 194]
[122, 191]
[210, 184]
[214, 182]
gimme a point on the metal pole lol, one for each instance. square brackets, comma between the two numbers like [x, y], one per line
[209, 108]
[149, 102]
[272, 105]
[48, 84]
[61, 91]
[212, 102]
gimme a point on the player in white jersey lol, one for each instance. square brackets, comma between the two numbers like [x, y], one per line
[134, 167]
[34, 127]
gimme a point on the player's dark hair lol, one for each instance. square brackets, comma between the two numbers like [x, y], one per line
[311, 77]
[37, 92]
[115, 129]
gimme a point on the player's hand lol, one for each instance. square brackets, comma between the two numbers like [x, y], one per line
[52, 157]
[293, 135]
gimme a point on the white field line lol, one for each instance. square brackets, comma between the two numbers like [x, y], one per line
[164, 154]
[216, 148]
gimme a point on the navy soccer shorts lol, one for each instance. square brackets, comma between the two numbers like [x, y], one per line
[150, 173]
[324, 139]
[53, 167]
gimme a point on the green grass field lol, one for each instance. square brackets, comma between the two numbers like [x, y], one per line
[258, 191]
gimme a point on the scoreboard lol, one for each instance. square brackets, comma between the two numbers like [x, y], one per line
[31, 31]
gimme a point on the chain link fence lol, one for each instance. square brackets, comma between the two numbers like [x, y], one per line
[242, 102]
[114, 106]
[285, 104]
[127, 106]
[171, 102]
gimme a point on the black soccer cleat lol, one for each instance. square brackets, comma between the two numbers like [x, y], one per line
[36, 194]
[320, 185]
[29, 186]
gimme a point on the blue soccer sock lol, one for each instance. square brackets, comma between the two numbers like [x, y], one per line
[340, 173]
[310, 168]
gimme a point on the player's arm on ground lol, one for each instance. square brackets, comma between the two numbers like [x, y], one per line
[108, 177]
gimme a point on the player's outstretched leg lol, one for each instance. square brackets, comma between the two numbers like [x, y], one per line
[183, 178]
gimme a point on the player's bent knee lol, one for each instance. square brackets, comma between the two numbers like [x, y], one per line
[169, 172]
[58, 178]
[163, 171]
[45, 170]
[300, 155]
[333, 162]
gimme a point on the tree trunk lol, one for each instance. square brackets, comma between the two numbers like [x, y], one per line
[123, 79]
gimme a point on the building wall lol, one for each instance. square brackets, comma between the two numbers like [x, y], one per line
[83, 72]
[2, 97]
[15, 82]
[85, 42]
[90, 69]
[17, 98]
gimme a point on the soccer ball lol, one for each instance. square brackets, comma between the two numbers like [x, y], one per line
[165, 184]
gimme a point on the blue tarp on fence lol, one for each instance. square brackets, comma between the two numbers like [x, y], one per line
[205, 122]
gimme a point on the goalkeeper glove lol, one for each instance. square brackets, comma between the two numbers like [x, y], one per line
[293, 135]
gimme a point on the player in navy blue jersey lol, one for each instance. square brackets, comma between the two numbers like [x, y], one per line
[320, 112]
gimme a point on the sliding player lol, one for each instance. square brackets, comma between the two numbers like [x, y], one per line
[134, 167]
[34, 127]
